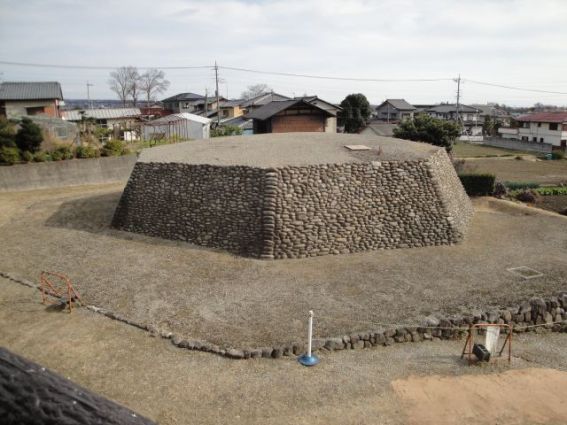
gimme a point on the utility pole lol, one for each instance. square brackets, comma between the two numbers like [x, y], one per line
[217, 92]
[458, 81]
[89, 85]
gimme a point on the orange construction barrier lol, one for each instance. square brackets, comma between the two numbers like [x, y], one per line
[63, 291]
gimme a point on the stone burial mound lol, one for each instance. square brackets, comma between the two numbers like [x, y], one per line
[296, 195]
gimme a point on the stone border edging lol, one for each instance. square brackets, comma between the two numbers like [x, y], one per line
[536, 315]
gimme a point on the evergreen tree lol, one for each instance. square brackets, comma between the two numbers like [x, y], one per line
[355, 114]
[29, 136]
[434, 131]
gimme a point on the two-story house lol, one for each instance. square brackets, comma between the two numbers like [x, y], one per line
[540, 127]
[468, 116]
[191, 102]
[394, 110]
[19, 99]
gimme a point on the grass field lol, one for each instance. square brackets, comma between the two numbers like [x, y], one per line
[467, 150]
[511, 169]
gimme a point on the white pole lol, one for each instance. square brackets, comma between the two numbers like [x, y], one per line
[309, 333]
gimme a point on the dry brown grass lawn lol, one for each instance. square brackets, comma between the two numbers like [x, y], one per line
[229, 300]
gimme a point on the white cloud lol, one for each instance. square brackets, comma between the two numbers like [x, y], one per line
[514, 42]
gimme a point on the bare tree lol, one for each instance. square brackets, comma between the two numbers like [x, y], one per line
[153, 82]
[255, 90]
[123, 82]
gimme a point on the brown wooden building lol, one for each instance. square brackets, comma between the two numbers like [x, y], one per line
[289, 116]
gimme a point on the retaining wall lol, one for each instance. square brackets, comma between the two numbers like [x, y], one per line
[73, 172]
[298, 211]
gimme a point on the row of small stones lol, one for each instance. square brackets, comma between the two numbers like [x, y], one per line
[549, 314]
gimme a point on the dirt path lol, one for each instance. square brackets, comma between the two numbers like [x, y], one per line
[528, 396]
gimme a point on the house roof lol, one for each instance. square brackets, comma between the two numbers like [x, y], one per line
[321, 103]
[179, 117]
[263, 99]
[399, 104]
[277, 106]
[102, 114]
[30, 90]
[184, 97]
[559, 117]
[446, 108]
[231, 103]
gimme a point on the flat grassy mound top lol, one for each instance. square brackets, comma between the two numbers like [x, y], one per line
[288, 149]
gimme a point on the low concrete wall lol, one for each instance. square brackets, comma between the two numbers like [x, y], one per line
[66, 173]
[518, 145]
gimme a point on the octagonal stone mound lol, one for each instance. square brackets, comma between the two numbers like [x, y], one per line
[296, 195]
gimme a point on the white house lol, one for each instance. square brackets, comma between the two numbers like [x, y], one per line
[183, 126]
[540, 127]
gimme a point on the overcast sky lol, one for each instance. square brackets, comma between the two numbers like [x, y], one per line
[511, 42]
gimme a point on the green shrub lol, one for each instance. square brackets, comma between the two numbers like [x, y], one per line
[87, 152]
[9, 155]
[478, 184]
[61, 153]
[557, 155]
[27, 156]
[42, 157]
[113, 148]
[521, 185]
[226, 130]
[7, 133]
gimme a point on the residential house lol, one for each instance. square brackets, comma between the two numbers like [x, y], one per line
[467, 115]
[231, 108]
[261, 100]
[331, 123]
[394, 110]
[124, 122]
[540, 127]
[182, 126]
[191, 102]
[19, 99]
[293, 115]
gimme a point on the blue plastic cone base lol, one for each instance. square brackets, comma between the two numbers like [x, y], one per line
[306, 360]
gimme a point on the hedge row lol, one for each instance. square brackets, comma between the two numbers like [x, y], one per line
[478, 184]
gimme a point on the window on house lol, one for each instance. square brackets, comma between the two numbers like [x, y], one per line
[541, 139]
[553, 126]
[539, 124]
[35, 110]
[526, 125]
[534, 139]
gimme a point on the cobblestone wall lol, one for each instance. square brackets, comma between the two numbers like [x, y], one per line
[212, 206]
[363, 206]
[299, 211]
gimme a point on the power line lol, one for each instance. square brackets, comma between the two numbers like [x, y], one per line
[326, 77]
[483, 83]
[44, 65]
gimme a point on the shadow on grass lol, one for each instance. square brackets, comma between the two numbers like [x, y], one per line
[94, 214]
